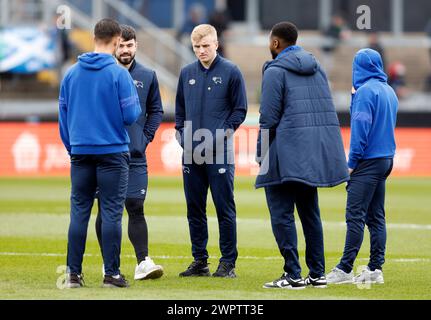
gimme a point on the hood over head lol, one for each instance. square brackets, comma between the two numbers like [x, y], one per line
[367, 65]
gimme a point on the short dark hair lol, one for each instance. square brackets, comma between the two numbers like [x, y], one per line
[106, 29]
[128, 33]
[286, 31]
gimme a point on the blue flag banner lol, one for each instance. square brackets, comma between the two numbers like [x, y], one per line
[26, 50]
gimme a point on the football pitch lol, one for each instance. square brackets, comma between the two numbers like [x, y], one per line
[34, 215]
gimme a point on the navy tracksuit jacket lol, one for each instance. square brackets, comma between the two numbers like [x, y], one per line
[211, 99]
[142, 132]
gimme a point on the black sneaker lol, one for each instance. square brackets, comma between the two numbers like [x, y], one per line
[286, 282]
[74, 281]
[225, 270]
[115, 281]
[316, 282]
[198, 268]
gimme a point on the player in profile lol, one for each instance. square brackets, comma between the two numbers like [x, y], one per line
[141, 133]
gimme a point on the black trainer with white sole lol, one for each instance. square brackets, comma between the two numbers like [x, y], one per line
[115, 281]
[316, 282]
[286, 282]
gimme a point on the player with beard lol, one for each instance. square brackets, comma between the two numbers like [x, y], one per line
[141, 133]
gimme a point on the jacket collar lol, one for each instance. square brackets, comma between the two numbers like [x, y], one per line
[216, 60]
[132, 66]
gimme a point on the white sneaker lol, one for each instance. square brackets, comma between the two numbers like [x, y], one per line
[286, 282]
[338, 276]
[147, 269]
[368, 276]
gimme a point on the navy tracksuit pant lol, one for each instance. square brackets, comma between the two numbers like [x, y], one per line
[108, 174]
[365, 205]
[281, 200]
[220, 179]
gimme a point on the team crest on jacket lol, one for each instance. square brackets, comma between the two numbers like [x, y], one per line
[192, 82]
[186, 170]
[217, 80]
[138, 84]
[222, 171]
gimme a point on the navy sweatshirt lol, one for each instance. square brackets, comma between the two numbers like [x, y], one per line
[213, 98]
[143, 130]
[373, 110]
[97, 99]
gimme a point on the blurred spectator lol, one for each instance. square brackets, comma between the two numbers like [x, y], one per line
[428, 33]
[427, 86]
[337, 32]
[196, 16]
[63, 46]
[220, 20]
[396, 78]
[375, 44]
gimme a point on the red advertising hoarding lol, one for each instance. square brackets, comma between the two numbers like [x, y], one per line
[36, 150]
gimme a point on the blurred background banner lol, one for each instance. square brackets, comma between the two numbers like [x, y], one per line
[36, 150]
[26, 50]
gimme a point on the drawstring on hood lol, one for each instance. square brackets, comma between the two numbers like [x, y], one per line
[367, 65]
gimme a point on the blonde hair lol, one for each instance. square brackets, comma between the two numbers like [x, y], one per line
[202, 31]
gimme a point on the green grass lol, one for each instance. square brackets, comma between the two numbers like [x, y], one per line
[34, 221]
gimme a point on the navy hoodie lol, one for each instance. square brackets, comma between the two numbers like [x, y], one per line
[97, 99]
[373, 110]
[305, 143]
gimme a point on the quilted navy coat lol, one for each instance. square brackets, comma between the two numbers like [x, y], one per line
[305, 143]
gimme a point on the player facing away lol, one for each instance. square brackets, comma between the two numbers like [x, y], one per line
[97, 100]
[211, 104]
[372, 148]
[303, 151]
[141, 133]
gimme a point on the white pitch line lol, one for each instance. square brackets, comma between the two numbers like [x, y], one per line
[395, 226]
[129, 256]
[260, 222]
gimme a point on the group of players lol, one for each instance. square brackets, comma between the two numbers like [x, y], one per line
[110, 110]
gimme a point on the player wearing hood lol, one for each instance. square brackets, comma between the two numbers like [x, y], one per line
[372, 149]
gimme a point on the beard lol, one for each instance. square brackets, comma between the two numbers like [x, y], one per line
[274, 54]
[126, 59]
